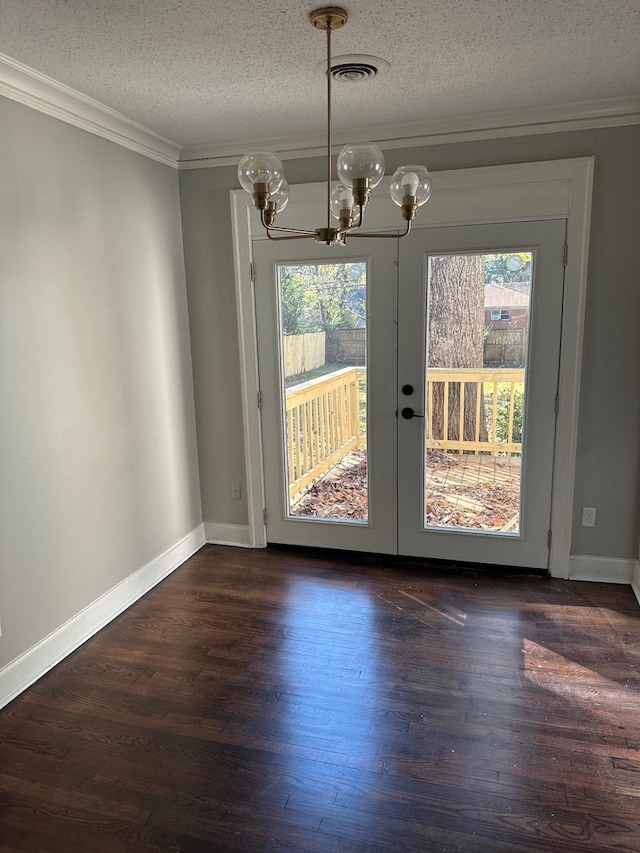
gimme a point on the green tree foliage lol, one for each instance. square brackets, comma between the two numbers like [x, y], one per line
[502, 419]
[495, 267]
[295, 315]
[320, 297]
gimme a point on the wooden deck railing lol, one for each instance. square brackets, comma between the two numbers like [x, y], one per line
[322, 425]
[323, 422]
[488, 387]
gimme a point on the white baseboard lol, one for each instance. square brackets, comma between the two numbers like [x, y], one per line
[635, 583]
[601, 569]
[34, 663]
[227, 534]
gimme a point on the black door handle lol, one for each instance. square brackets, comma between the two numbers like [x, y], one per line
[407, 390]
[408, 413]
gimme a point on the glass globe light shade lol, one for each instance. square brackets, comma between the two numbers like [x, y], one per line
[341, 201]
[361, 160]
[280, 198]
[411, 181]
[260, 167]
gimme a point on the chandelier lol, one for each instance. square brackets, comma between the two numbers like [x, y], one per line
[360, 169]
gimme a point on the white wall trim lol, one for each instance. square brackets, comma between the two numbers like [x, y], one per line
[601, 569]
[553, 118]
[237, 535]
[544, 190]
[245, 308]
[34, 663]
[635, 581]
[21, 83]
[569, 376]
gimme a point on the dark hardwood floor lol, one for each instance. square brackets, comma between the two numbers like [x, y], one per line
[273, 701]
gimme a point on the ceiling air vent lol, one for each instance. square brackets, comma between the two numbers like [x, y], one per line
[357, 68]
[353, 72]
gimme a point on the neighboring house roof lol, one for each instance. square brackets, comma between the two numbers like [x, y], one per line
[499, 296]
[518, 286]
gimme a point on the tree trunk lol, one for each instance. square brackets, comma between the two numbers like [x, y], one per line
[456, 339]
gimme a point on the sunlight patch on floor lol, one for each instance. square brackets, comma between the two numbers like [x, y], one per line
[570, 680]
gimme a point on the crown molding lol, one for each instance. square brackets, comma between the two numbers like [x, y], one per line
[526, 121]
[21, 83]
[25, 85]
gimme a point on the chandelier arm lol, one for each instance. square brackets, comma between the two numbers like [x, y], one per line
[394, 236]
[288, 230]
[302, 231]
[291, 235]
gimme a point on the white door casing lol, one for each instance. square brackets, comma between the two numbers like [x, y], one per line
[530, 191]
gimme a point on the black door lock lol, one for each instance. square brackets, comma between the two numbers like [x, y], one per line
[408, 413]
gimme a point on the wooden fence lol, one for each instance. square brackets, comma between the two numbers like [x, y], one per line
[301, 353]
[346, 346]
[322, 425]
[489, 384]
[505, 348]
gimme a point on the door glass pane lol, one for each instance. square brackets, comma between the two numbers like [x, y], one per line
[477, 334]
[323, 371]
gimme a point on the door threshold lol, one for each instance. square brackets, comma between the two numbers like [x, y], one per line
[401, 561]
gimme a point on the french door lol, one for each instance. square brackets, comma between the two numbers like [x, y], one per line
[409, 391]
[478, 487]
[351, 406]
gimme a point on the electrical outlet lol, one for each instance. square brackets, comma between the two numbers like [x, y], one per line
[236, 491]
[588, 516]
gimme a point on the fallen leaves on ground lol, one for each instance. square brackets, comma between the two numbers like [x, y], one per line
[341, 493]
[482, 505]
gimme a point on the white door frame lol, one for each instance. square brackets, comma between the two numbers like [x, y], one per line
[554, 189]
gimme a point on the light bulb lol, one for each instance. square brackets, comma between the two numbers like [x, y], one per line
[362, 160]
[280, 198]
[410, 182]
[260, 167]
[341, 201]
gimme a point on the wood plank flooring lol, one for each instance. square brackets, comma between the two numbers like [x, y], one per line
[277, 701]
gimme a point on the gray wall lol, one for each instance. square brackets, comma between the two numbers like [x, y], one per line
[608, 442]
[98, 465]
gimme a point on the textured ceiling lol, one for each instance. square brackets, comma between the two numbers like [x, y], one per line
[212, 71]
